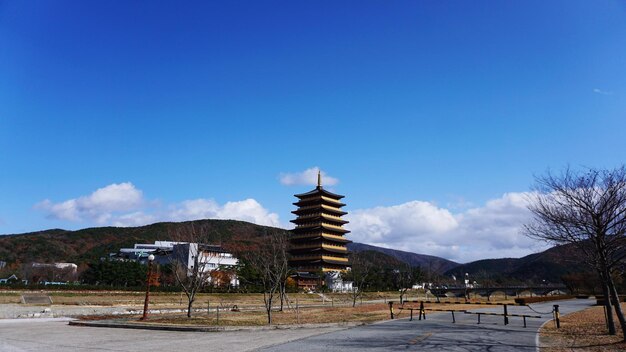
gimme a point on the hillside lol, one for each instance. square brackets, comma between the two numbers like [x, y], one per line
[549, 265]
[236, 236]
[90, 244]
[93, 243]
[426, 262]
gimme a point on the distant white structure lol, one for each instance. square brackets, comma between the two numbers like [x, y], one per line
[211, 257]
[69, 266]
[335, 282]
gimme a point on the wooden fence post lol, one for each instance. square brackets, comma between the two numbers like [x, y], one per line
[506, 315]
[557, 317]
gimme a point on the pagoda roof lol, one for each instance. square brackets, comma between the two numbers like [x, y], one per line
[301, 220]
[324, 260]
[319, 249]
[321, 209]
[319, 190]
[316, 237]
[305, 202]
[322, 226]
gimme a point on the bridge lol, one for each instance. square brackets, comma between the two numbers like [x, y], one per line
[513, 291]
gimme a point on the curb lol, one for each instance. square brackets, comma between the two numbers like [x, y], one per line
[127, 325]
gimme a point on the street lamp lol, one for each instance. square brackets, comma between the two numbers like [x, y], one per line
[148, 280]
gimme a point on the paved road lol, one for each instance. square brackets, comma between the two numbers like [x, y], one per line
[54, 335]
[435, 333]
[438, 333]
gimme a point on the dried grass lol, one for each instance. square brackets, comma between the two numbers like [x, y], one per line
[582, 331]
[310, 315]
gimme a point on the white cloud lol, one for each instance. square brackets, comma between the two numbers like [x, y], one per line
[603, 92]
[123, 205]
[396, 223]
[306, 178]
[99, 206]
[246, 210]
[490, 231]
[137, 218]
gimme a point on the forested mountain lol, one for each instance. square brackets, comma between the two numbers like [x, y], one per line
[424, 261]
[91, 244]
[549, 266]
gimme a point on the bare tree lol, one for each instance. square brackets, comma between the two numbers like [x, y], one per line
[190, 262]
[271, 263]
[586, 209]
[359, 274]
[405, 277]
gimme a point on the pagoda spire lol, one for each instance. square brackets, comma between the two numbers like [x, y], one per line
[319, 178]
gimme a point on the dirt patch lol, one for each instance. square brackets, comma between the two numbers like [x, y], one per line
[582, 331]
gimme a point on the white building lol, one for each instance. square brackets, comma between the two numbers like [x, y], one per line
[210, 257]
[335, 282]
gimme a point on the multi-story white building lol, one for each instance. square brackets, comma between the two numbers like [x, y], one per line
[211, 258]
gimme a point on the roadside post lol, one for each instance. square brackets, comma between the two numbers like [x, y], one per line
[506, 315]
[557, 317]
[148, 282]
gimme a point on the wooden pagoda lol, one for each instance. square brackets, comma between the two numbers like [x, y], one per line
[317, 244]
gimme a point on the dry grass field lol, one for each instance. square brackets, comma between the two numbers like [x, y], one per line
[583, 331]
[312, 308]
[177, 299]
[310, 315]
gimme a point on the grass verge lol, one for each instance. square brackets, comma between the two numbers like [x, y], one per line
[583, 331]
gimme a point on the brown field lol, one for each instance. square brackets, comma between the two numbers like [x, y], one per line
[362, 313]
[177, 299]
[582, 331]
[312, 308]
[310, 315]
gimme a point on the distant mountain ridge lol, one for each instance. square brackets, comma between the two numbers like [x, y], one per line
[86, 245]
[425, 261]
[547, 266]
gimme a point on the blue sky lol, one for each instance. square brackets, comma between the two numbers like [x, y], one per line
[432, 116]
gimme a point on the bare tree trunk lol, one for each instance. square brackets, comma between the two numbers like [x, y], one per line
[189, 307]
[402, 293]
[268, 308]
[282, 295]
[617, 305]
[607, 305]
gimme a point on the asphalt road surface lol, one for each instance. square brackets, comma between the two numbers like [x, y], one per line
[437, 332]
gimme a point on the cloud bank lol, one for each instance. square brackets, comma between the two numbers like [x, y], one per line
[124, 205]
[307, 177]
[100, 206]
[490, 231]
